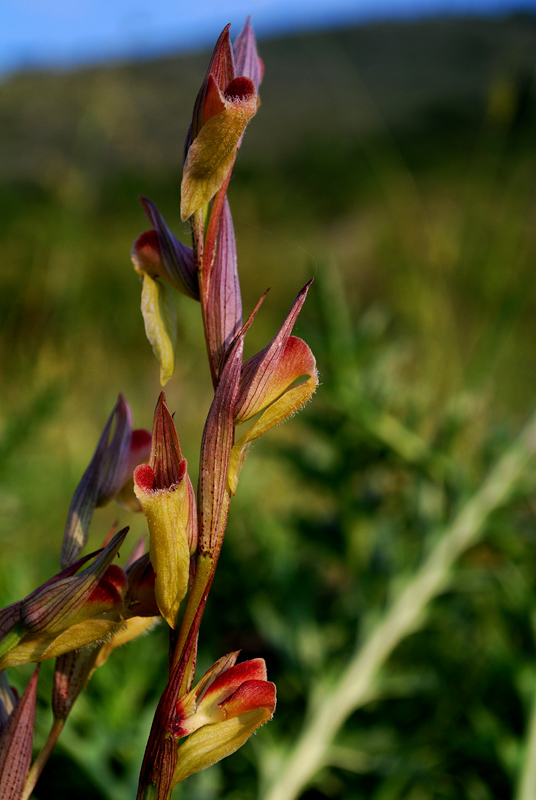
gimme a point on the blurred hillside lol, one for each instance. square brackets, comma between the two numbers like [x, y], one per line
[343, 85]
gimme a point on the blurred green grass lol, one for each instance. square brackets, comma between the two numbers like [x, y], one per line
[396, 164]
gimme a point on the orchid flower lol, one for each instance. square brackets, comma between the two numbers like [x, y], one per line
[67, 612]
[267, 386]
[73, 669]
[219, 715]
[163, 263]
[165, 492]
[225, 104]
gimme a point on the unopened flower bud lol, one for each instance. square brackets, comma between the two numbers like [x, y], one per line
[109, 470]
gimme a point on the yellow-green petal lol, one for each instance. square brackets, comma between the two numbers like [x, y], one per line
[43, 646]
[290, 402]
[211, 155]
[211, 743]
[166, 511]
[159, 317]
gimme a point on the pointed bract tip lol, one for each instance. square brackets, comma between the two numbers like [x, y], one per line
[166, 458]
[17, 742]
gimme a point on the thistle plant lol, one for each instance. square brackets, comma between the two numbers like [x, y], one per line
[92, 605]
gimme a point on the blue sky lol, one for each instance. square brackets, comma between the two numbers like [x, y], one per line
[65, 32]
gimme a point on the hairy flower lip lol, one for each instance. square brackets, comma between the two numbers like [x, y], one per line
[144, 478]
[239, 90]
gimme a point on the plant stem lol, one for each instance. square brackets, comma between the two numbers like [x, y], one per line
[197, 598]
[42, 758]
[405, 615]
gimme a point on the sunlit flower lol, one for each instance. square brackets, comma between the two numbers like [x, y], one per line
[219, 715]
[225, 104]
[67, 612]
[267, 385]
[165, 492]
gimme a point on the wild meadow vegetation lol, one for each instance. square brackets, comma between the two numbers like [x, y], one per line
[381, 549]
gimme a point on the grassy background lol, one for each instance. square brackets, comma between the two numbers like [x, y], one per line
[396, 164]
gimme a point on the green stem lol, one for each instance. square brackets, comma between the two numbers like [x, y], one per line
[203, 578]
[42, 758]
[405, 616]
[197, 598]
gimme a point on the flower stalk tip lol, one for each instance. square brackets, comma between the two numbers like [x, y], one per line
[226, 102]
